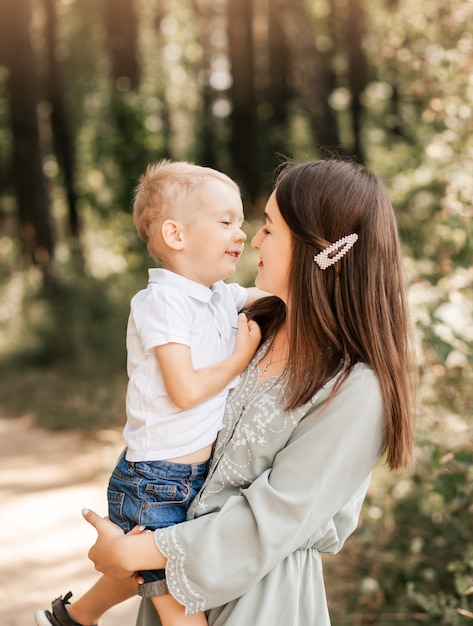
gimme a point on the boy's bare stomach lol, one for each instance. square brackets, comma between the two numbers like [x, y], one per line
[199, 456]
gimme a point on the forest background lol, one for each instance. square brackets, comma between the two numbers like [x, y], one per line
[93, 90]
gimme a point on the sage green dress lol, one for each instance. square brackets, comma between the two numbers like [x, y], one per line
[283, 488]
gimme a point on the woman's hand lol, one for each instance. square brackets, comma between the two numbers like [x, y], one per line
[106, 552]
[120, 555]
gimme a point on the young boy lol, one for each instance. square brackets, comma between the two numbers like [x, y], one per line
[184, 353]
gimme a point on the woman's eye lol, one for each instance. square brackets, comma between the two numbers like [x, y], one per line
[265, 231]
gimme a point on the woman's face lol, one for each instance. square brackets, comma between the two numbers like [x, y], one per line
[274, 242]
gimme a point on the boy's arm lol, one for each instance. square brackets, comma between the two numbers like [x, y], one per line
[255, 294]
[188, 387]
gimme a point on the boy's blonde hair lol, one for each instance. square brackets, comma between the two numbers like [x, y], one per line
[163, 192]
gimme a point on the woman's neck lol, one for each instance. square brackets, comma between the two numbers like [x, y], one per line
[275, 359]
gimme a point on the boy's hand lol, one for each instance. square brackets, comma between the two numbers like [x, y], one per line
[247, 340]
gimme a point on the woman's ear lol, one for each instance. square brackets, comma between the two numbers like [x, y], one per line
[172, 233]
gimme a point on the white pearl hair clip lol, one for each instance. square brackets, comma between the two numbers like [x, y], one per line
[323, 259]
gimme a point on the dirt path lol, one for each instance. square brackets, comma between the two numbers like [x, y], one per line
[45, 480]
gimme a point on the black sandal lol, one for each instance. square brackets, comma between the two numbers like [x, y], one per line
[59, 616]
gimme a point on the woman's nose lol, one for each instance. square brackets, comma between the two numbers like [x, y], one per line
[255, 239]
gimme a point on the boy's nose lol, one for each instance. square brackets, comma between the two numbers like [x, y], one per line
[241, 235]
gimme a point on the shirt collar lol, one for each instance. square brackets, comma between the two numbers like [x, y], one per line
[189, 287]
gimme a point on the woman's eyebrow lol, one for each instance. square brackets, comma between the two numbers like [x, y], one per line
[268, 217]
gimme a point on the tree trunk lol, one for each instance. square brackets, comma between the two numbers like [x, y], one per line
[357, 70]
[62, 136]
[279, 65]
[279, 91]
[122, 32]
[331, 25]
[162, 11]
[31, 190]
[205, 126]
[310, 73]
[244, 117]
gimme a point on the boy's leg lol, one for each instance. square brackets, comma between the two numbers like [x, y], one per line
[87, 610]
[106, 593]
[171, 612]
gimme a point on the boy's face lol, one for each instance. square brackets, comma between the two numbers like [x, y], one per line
[212, 234]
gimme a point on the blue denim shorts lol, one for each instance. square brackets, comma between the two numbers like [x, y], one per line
[154, 494]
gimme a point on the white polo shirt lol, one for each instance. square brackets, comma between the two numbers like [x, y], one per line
[175, 309]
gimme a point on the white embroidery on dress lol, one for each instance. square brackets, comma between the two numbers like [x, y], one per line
[176, 577]
[239, 453]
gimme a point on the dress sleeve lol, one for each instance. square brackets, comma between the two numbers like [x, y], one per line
[314, 488]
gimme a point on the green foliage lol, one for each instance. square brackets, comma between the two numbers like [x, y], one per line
[433, 567]
[414, 552]
[123, 147]
[63, 355]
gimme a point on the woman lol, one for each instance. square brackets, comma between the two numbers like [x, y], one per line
[326, 396]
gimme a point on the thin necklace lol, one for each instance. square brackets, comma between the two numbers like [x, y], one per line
[264, 369]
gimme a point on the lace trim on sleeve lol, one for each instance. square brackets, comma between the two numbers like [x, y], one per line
[178, 583]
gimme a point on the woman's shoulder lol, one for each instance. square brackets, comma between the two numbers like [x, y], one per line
[360, 386]
[362, 375]
[353, 409]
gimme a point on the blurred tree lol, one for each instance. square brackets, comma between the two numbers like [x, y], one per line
[207, 143]
[279, 92]
[62, 133]
[160, 83]
[245, 145]
[31, 191]
[121, 24]
[357, 69]
[121, 27]
[309, 71]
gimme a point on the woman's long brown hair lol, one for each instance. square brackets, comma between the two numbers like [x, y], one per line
[354, 311]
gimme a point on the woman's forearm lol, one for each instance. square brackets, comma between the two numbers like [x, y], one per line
[139, 552]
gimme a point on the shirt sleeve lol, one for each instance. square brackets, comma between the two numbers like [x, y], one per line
[310, 497]
[162, 316]
[238, 293]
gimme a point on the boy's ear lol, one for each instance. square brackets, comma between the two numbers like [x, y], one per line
[172, 233]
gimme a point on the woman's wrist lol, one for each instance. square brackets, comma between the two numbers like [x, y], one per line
[140, 552]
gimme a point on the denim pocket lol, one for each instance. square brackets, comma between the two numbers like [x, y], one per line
[115, 509]
[169, 492]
